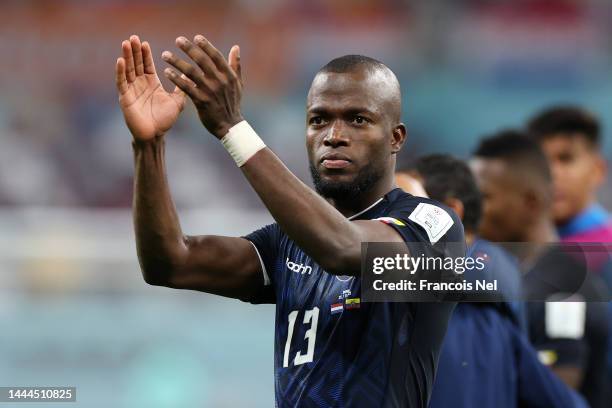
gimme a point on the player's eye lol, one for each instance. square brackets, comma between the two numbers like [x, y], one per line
[359, 120]
[315, 121]
[565, 157]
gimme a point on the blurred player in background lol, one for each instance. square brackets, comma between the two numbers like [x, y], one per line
[514, 178]
[330, 350]
[571, 139]
[450, 181]
[486, 358]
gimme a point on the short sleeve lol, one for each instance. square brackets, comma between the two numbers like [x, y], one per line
[428, 222]
[266, 242]
[537, 385]
[557, 332]
[430, 230]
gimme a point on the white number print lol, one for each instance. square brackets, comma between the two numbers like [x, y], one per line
[310, 317]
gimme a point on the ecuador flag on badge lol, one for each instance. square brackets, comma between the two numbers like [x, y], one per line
[390, 220]
[353, 303]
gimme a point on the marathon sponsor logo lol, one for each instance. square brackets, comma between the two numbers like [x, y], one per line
[298, 268]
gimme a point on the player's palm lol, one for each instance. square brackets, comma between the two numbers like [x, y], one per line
[148, 109]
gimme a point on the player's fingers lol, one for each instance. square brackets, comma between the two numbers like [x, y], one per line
[182, 83]
[147, 58]
[178, 95]
[129, 61]
[137, 53]
[234, 61]
[214, 54]
[197, 55]
[120, 79]
[185, 68]
[189, 81]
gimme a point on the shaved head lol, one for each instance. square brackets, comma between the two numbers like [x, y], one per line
[378, 76]
[526, 162]
[516, 185]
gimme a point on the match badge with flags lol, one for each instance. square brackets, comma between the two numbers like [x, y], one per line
[337, 308]
[353, 303]
[391, 220]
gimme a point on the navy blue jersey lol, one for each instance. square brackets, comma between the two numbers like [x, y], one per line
[503, 267]
[332, 350]
[570, 333]
[486, 359]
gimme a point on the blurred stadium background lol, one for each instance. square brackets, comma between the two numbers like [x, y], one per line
[73, 307]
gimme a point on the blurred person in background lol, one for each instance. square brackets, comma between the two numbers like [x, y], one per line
[450, 181]
[513, 175]
[486, 358]
[571, 139]
[327, 345]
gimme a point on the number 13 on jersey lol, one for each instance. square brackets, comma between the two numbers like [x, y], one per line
[311, 317]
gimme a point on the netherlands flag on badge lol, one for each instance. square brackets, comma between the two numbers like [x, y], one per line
[336, 308]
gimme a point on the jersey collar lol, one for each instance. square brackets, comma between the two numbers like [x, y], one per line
[592, 217]
[360, 213]
[352, 217]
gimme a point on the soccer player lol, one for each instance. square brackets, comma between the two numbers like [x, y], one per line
[570, 137]
[449, 180]
[330, 349]
[486, 358]
[514, 178]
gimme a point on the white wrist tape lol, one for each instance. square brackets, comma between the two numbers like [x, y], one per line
[242, 142]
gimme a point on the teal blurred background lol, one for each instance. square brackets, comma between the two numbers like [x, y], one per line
[73, 307]
[75, 311]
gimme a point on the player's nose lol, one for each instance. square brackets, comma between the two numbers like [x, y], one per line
[337, 135]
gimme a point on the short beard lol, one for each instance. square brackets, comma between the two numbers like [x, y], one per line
[365, 180]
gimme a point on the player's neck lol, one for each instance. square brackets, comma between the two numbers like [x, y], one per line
[542, 231]
[470, 237]
[586, 205]
[356, 205]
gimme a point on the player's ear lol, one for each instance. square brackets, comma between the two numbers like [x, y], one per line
[535, 201]
[398, 137]
[601, 170]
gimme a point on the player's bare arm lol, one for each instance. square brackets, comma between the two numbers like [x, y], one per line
[314, 224]
[220, 265]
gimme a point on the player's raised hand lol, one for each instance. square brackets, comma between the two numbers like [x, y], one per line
[148, 109]
[218, 83]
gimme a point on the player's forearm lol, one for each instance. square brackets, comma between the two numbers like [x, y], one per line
[314, 224]
[159, 239]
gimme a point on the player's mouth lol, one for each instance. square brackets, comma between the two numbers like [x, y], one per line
[335, 161]
[558, 196]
